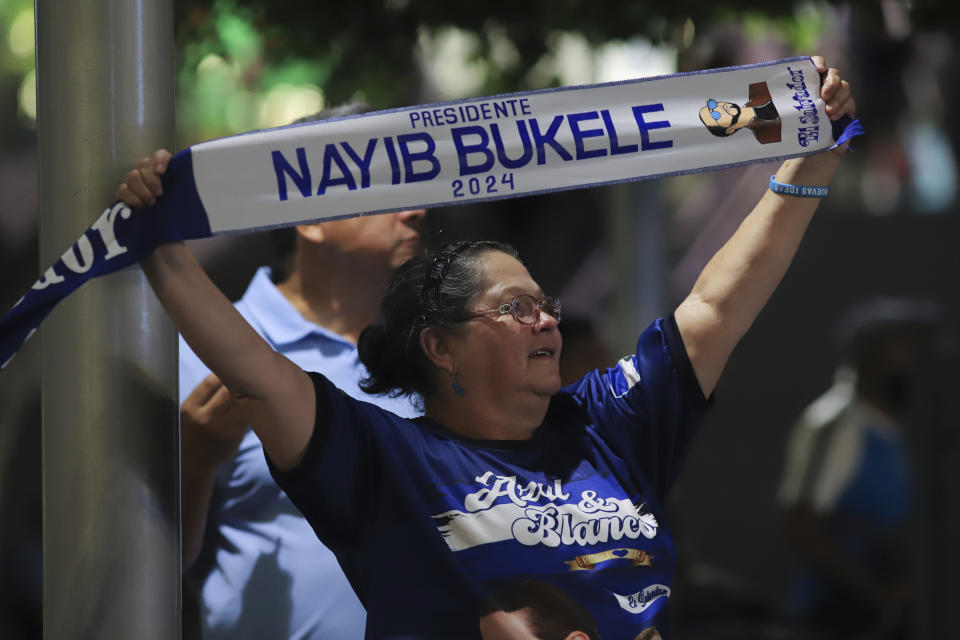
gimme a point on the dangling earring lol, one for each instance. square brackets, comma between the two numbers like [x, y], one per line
[455, 385]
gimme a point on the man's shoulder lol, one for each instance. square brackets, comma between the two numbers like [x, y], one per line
[259, 297]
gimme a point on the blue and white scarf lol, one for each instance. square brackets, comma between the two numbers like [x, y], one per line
[449, 153]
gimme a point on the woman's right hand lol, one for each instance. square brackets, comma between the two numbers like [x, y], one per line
[142, 185]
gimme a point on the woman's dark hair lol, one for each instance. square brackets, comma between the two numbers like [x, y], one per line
[432, 290]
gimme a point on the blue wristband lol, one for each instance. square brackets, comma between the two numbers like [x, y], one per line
[800, 191]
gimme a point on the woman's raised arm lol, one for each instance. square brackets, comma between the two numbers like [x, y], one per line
[279, 395]
[741, 277]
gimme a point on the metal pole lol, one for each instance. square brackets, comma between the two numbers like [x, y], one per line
[111, 549]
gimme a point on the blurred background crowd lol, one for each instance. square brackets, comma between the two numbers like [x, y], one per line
[866, 319]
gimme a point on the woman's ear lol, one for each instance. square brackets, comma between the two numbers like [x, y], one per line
[311, 232]
[436, 346]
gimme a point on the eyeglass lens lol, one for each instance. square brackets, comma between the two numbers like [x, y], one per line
[712, 104]
[526, 308]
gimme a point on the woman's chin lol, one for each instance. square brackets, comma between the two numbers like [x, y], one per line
[548, 388]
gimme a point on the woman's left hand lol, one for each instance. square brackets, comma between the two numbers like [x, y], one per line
[835, 93]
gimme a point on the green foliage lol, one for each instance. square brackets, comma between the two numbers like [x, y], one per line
[17, 108]
[802, 31]
[245, 64]
[375, 49]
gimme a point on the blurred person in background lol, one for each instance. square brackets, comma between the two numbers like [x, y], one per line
[846, 488]
[256, 565]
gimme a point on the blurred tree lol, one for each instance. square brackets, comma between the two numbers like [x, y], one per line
[17, 80]
[246, 64]
[265, 63]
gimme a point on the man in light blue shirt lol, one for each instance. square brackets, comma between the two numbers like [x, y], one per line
[257, 566]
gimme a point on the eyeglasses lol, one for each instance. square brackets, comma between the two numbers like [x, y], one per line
[525, 309]
[712, 105]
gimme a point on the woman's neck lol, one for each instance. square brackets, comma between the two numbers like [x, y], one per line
[487, 420]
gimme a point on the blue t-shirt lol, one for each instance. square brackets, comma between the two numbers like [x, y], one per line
[262, 573]
[429, 526]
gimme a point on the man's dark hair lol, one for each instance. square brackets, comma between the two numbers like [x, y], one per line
[867, 327]
[554, 614]
[433, 289]
[885, 340]
[284, 240]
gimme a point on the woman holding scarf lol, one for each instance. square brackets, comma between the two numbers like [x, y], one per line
[508, 480]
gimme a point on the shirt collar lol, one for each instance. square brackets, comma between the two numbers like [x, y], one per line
[279, 320]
